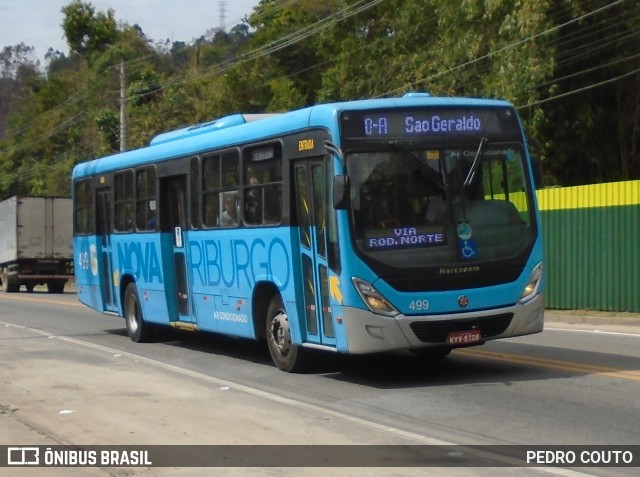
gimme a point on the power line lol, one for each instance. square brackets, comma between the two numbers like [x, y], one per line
[359, 7]
[287, 40]
[588, 70]
[580, 90]
[505, 48]
[283, 42]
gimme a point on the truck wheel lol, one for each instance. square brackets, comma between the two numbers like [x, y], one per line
[138, 330]
[286, 355]
[55, 287]
[8, 284]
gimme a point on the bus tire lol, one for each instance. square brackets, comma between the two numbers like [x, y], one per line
[138, 330]
[285, 355]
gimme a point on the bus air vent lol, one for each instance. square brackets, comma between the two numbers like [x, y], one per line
[417, 95]
[203, 128]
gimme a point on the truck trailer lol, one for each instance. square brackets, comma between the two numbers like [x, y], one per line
[36, 243]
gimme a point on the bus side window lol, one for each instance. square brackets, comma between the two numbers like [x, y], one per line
[253, 202]
[195, 191]
[273, 204]
[84, 222]
[263, 185]
[211, 206]
[229, 182]
[123, 201]
[229, 215]
[146, 199]
[220, 178]
[210, 186]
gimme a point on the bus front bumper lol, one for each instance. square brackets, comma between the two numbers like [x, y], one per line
[370, 333]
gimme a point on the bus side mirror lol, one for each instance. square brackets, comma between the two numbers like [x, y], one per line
[340, 192]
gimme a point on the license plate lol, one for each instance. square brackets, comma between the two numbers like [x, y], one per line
[464, 337]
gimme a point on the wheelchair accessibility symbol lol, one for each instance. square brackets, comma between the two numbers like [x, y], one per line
[468, 249]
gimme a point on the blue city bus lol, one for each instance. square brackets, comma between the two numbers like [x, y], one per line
[357, 227]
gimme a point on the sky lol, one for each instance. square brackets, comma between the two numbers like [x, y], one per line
[37, 23]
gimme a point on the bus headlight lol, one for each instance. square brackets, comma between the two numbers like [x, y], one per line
[373, 299]
[534, 284]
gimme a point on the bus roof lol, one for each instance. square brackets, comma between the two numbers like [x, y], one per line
[239, 129]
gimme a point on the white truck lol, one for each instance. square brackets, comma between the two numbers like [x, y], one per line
[36, 245]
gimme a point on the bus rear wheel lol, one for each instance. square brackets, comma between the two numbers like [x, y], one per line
[286, 355]
[138, 330]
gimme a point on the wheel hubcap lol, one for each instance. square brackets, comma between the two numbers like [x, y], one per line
[131, 315]
[280, 333]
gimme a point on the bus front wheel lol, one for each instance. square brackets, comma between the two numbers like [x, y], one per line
[138, 330]
[286, 355]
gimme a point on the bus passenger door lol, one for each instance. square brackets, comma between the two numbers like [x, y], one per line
[312, 207]
[104, 228]
[173, 193]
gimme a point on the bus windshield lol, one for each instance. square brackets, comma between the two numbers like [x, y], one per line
[430, 207]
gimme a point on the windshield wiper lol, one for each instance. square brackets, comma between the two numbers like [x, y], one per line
[428, 173]
[476, 162]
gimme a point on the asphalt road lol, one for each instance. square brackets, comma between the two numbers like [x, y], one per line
[70, 376]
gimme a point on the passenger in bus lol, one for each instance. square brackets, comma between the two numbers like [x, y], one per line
[128, 217]
[151, 223]
[435, 210]
[229, 213]
[252, 202]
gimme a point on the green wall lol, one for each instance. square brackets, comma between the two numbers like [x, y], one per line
[592, 246]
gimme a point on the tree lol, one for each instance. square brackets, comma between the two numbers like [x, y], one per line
[446, 47]
[19, 67]
[570, 67]
[108, 122]
[286, 45]
[17, 57]
[86, 30]
[592, 131]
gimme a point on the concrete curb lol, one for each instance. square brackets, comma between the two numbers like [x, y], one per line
[592, 317]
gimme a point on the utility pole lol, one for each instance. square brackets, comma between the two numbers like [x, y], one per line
[123, 109]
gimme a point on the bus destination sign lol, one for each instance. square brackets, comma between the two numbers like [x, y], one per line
[405, 237]
[427, 123]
